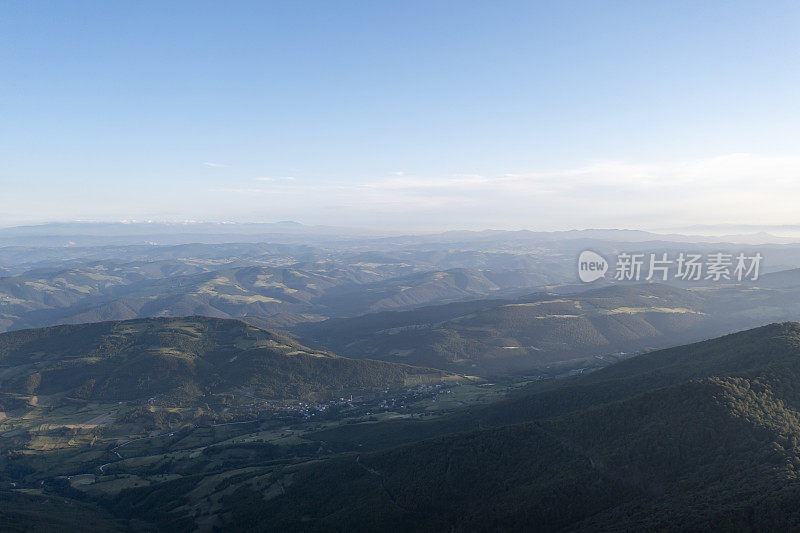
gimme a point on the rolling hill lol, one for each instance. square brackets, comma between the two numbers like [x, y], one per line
[701, 436]
[705, 436]
[106, 290]
[581, 329]
[182, 361]
[521, 335]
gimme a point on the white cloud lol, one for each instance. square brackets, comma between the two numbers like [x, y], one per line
[215, 165]
[741, 188]
[234, 190]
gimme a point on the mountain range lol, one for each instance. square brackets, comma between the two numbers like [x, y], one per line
[111, 291]
[705, 435]
[285, 378]
[696, 437]
[584, 329]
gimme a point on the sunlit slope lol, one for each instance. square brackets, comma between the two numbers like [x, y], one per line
[523, 334]
[182, 360]
[105, 290]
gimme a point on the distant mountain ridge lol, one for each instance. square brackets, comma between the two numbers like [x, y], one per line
[106, 290]
[164, 228]
[245, 230]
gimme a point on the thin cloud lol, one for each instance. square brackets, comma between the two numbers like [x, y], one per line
[749, 188]
[239, 191]
[214, 165]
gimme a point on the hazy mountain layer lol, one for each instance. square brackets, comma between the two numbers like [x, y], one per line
[111, 291]
[588, 328]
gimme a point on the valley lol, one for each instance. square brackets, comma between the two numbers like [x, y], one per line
[403, 383]
[606, 442]
[399, 267]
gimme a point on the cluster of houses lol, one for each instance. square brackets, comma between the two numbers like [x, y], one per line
[399, 401]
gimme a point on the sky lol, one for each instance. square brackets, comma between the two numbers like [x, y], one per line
[401, 114]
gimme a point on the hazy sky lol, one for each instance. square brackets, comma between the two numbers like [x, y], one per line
[544, 115]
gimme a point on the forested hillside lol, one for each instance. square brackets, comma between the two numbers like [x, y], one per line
[182, 361]
[718, 452]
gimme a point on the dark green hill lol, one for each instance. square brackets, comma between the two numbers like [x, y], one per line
[26, 513]
[523, 335]
[181, 360]
[580, 330]
[772, 350]
[695, 453]
[699, 437]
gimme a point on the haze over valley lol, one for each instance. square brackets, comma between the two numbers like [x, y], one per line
[221, 379]
[443, 266]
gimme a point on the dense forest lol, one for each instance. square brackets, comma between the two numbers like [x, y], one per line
[702, 436]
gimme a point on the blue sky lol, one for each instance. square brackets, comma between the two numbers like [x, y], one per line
[426, 114]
